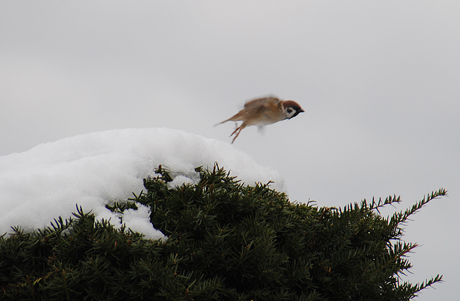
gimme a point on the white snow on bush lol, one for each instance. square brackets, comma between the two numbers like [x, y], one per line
[49, 180]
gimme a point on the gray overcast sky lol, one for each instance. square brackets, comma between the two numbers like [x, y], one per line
[379, 81]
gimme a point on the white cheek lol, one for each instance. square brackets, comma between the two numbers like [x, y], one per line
[289, 115]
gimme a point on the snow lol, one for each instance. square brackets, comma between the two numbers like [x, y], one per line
[91, 170]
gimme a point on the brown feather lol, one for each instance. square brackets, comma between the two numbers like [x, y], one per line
[261, 111]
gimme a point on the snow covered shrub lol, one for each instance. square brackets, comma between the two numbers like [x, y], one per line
[263, 247]
[226, 241]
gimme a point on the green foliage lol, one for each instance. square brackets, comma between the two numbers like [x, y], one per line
[226, 241]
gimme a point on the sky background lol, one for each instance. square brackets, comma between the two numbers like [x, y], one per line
[379, 82]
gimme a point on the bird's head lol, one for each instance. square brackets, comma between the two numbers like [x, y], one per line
[291, 108]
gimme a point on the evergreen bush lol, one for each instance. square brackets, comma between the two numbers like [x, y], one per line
[226, 241]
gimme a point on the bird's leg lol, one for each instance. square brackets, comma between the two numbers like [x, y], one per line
[237, 131]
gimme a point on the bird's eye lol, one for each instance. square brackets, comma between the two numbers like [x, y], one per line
[289, 110]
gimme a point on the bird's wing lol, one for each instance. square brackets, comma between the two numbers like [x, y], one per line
[263, 109]
[255, 109]
[261, 102]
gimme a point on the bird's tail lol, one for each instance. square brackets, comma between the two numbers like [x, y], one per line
[222, 122]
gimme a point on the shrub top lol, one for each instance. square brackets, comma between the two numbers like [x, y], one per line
[226, 241]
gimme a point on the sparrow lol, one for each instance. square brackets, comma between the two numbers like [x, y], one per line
[264, 111]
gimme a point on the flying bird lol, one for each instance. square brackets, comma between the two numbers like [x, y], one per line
[264, 111]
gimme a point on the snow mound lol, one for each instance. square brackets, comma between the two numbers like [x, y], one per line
[92, 170]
